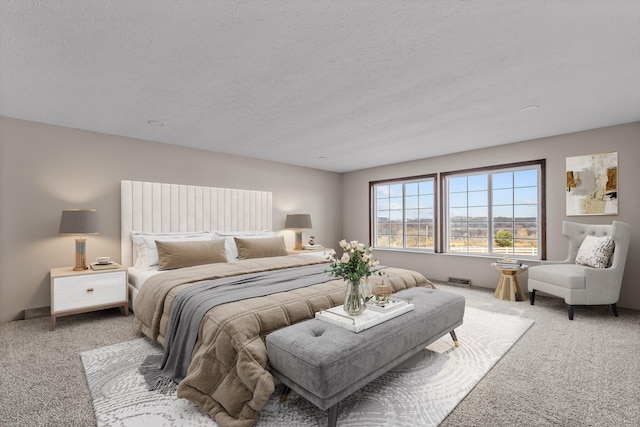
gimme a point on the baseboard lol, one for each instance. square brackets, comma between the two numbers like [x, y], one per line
[33, 313]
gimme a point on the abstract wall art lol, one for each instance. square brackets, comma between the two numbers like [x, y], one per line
[592, 184]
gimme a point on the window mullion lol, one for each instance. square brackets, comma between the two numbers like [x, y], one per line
[404, 215]
[513, 218]
[490, 224]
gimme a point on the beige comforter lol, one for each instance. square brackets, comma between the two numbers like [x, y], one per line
[228, 375]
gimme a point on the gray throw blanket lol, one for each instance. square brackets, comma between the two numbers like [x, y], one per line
[191, 304]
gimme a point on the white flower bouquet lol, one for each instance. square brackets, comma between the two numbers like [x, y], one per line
[356, 262]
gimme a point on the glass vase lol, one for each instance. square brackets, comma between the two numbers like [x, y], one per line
[354, 303]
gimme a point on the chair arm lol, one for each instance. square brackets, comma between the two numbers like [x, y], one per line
[603, 285]
[608, 275]
[546, 262]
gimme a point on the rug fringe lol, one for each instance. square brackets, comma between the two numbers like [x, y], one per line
[152, 374]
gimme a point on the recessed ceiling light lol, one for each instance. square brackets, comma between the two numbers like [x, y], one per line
[529, 108]
[154, 123]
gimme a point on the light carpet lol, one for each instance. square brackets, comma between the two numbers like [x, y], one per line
[420, 392]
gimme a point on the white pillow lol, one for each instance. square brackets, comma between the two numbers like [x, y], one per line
[595, 251]
[231, 250]
[144, 244]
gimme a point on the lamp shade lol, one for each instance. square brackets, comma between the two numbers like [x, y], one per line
[79, 221]
[298, 221]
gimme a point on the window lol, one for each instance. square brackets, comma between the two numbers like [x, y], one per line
[404, 213]
[491, 211]
[494, 212]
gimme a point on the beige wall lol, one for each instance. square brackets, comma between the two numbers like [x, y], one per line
[44, 169]
[625, 139]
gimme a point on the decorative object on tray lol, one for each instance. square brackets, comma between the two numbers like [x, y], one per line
[386, 304]
[311, 240]
[382, 292]
[355, 265]
[354, 302]
[367, 291]
[358, 323]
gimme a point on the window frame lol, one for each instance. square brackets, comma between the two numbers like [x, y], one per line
[509, 167]
[373, 212]
[440, 204]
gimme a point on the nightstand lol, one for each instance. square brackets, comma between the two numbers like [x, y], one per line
[75, 292]
[320, 251]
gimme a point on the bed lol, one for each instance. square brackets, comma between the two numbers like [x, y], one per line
[227, 370]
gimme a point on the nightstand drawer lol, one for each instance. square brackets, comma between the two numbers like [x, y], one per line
[70, 293]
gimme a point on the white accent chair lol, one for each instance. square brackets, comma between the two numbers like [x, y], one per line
[579, 284]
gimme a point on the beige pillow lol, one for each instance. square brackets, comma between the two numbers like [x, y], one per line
[261, 248]
[186, 254]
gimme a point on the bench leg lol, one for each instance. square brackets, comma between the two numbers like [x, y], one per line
[454, 338]
[285, 393]
[333, 415]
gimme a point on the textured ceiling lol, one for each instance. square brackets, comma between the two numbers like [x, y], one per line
[334, 85]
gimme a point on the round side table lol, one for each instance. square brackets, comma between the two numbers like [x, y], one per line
[508, 287]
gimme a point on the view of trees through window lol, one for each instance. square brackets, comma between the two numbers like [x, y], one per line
[494, 213]
[486, 211]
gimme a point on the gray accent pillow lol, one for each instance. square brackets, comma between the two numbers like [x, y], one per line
[186, 254]
[261, 248]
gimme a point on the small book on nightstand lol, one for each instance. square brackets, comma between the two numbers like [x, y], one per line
[110, 266]
[311, 247]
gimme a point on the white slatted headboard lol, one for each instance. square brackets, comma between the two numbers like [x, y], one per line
[161, 208]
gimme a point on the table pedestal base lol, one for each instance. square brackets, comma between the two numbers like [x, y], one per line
[508, 287]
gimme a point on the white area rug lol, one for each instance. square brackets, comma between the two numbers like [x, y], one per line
[420, 392]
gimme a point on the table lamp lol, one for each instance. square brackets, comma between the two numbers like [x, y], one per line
[79, 221]
[298, 222]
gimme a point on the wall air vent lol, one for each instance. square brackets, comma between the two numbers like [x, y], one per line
[459, 281]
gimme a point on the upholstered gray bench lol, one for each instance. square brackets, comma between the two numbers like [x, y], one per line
[325, 363]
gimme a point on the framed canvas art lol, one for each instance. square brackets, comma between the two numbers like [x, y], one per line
[592, 184]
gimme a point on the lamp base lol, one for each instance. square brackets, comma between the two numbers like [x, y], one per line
[298, 243]
[81, 258]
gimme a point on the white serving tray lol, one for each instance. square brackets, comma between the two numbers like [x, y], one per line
[387, 306]
[369, 318]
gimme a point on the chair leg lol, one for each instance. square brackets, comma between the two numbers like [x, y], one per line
[614, 309]
[571, 308]
[532, 296]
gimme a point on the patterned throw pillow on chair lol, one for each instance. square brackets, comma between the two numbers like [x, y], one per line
[595, 251]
